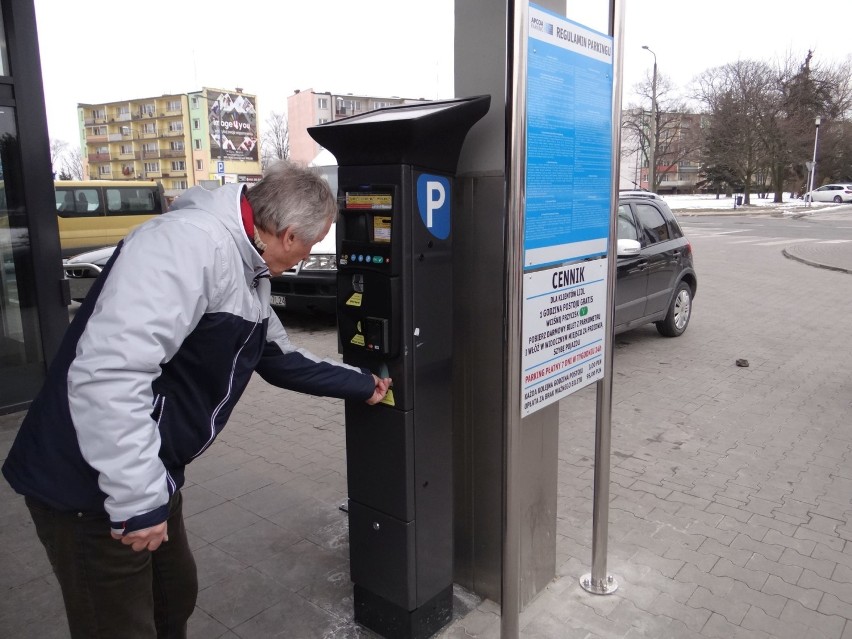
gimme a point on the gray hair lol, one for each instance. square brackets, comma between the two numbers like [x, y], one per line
[290, 195]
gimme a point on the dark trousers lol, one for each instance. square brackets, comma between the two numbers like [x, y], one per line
[109, 589]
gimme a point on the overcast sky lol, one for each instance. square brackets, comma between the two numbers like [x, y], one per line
[95, 51]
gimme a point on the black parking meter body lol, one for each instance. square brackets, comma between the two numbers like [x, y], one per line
[394, 309]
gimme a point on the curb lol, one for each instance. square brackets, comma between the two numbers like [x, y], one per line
[803, 260]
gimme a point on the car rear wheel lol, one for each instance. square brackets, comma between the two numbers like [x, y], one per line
[680, 310]
[837, 199]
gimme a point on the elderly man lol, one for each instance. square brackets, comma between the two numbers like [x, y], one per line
[147, 375]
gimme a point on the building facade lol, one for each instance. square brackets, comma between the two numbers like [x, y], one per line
[308, 108]
[179, 140]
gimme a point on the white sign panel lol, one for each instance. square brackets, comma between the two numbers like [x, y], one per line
[564, 332]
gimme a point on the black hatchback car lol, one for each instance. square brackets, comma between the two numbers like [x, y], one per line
[656, 280]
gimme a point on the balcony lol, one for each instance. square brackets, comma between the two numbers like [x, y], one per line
[172, 153]
[98, 157]
[175, 173]
[173, 134]
[92, 139]
[151, 155]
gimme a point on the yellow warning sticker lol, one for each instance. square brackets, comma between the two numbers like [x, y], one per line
[358, 340]
[355, 300]
[388, 399]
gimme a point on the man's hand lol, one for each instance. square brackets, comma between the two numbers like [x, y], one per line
[382, 385]
[145, 539]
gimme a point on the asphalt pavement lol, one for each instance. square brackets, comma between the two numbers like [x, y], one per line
[730, 512]
[833, 255]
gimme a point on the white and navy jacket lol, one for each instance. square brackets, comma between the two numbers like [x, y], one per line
[153, 363]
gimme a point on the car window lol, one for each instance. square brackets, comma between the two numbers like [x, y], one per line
[130, 201]
[77, 202]
[626, 225]
[652, 222]
[674, 227]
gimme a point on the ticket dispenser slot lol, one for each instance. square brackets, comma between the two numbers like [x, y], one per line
[394, 316]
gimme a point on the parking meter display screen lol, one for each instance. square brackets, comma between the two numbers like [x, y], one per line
[372, 201]
[368, 216]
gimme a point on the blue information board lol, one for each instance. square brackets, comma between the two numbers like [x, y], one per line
[569, 141]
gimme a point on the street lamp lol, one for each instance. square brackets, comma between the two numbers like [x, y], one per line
[652, 145]
[813, 164]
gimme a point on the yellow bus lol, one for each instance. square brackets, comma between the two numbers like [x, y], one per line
[96, 213]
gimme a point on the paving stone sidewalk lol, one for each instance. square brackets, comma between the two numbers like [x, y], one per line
[731, 495]
[730, 510]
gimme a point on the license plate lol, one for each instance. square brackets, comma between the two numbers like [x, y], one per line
[278, 300]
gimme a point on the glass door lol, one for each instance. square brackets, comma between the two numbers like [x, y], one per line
[21, 358]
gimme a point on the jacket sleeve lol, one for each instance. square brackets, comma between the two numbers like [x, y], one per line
[296, 369]
[159, 287]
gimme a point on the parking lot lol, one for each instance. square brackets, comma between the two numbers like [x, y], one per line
[730, 498]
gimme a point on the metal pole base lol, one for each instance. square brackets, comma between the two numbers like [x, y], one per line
[601, 587]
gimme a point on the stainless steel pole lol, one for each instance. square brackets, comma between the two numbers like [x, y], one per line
[598, 581]
[652, 143]
[510, 610]
[813, 163]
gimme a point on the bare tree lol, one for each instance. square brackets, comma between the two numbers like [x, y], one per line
[72, 165]
[676, 134]
[275, 142]
[738, 97]
[57, 155]
[762, 123]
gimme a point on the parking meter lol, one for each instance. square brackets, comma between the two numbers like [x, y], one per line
[394, 310]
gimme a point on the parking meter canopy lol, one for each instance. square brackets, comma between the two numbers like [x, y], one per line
[428, 134]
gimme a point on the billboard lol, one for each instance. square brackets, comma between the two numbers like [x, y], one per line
[233, 121]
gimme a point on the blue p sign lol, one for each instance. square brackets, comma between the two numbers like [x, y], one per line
[433, 200]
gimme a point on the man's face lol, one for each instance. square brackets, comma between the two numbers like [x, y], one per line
[286, 250]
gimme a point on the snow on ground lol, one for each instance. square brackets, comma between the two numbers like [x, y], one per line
[692, 204]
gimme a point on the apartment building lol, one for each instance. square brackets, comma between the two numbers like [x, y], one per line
[678, 152]
[306, 108]
[179, 140]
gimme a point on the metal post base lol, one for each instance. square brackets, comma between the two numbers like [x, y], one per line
[601, 587]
